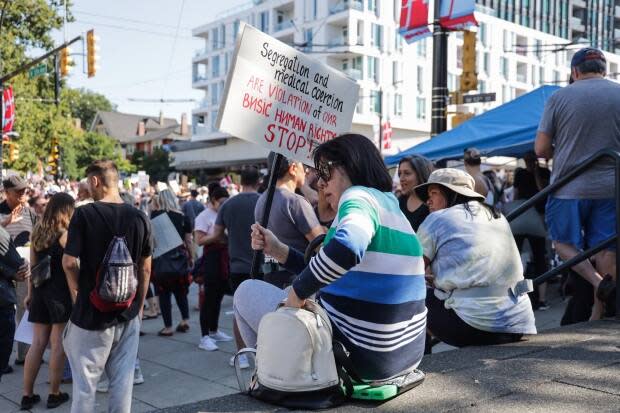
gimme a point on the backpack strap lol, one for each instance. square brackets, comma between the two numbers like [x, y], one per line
[105, 221]
[346, 370]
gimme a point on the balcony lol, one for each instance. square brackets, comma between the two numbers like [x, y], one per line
[579, 4]
[353, 73]
[283, 25]
[199, 81]
[201, 55]
[576, 24]
[346, 5]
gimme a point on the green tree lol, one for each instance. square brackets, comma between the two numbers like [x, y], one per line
[95, 146]
[83, 105]
[156, 165]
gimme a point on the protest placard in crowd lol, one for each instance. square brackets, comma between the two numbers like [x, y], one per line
[283, 100]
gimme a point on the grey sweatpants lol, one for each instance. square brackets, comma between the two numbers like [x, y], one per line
[91, 352]
[253, 299]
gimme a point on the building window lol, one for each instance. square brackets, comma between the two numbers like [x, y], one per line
[215, 94]
[397, 72]
[482, 34]
[264, 22]
[226, 62]
[213, 120]
[372, 7]
[215, 38]
[308, 38]
[398, 105]
[482, 86]
[215, 66]
[398, 40]
[372, 68]
[375, 101]
[359, 108]
[421, 49]
[503, 67]
[377, 35]
[541, 74]
[420, 108]
[235, 29]
[420, 79]
[360, 32]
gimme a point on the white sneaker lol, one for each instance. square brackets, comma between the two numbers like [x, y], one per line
[208, 344]
[103, 386]
[243, 362]
[220, 336]
[138, 378]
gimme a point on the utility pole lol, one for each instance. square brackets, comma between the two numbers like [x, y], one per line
[440, 75]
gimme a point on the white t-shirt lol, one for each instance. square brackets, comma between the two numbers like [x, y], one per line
[477, 251]
[205, 221]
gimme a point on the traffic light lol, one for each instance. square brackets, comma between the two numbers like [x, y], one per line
[469, 78]
[13, 151]
[54, 158]
[91, 53]
[460, 117]
[65, 61]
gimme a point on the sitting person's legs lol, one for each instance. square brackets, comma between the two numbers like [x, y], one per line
[253, 299]
[448, 327]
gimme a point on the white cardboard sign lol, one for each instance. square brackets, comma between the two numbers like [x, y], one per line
[283, 100]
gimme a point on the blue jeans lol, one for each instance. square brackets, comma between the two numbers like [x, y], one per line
[7, 334]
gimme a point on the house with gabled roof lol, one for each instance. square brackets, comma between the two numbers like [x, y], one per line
[140, 132]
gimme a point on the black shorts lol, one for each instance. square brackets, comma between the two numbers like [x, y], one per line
[448, 327]
[49, 306]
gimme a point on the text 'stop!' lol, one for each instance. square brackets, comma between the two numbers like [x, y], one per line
[283, 100]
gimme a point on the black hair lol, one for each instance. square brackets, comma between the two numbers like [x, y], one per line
[524, 183]
[592, 66]
[193, 193]
[218, 193]
[422, 166]
[454, 198]
[359, 158]
[212, 185]
[284, 165]
[250, 176]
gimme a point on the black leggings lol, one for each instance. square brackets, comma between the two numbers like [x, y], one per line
[180, 295]
[448, 327]
[210, 309]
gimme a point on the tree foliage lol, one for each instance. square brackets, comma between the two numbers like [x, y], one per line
[156, 165]
[26, 27]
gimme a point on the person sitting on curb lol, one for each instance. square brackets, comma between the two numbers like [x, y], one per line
[480, 296]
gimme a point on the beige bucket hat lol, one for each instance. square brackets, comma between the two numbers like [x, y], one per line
[454, 179]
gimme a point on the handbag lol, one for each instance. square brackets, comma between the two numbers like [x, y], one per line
[171, 264]
[41, 272]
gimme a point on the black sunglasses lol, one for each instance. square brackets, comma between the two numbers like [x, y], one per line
[324, 169]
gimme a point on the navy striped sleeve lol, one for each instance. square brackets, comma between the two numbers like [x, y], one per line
[295, 261]
[331, 263]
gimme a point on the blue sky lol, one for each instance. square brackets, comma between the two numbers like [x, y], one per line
[138, 54]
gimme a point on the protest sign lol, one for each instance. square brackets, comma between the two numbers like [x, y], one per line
[283, 100]
[165, 235]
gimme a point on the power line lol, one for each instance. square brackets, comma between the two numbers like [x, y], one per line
[174, 44]
[132, 29]
[145, 22]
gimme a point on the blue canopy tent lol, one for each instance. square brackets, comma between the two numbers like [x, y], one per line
[507, 130]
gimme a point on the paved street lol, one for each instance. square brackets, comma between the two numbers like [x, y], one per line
[176, 372]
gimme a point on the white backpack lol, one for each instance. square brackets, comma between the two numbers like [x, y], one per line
[295, 365]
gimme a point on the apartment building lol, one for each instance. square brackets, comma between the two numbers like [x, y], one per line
[360, 38]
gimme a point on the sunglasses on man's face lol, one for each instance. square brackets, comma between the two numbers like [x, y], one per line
[324, 169]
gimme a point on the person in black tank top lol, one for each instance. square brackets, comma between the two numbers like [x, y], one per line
[412, 171]
[49, 303]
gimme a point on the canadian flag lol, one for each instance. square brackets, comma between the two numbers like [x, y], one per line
[387, 135]
[8, 107]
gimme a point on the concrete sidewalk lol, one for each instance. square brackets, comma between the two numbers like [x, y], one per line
[177, 373]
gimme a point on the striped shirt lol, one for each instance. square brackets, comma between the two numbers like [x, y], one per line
[21, 229]
[370, 273]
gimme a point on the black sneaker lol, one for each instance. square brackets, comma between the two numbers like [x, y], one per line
[29, 401]
[55, 400]
[8, 370]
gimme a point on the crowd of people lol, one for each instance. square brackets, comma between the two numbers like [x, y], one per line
[408, 260]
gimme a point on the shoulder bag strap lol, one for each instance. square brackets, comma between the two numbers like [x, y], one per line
[345, 367]
[105, 221]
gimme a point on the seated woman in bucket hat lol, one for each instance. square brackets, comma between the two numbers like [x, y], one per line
[480, 296]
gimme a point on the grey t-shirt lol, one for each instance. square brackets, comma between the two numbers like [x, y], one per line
[237, 216]
[582, 119]
[291, 217]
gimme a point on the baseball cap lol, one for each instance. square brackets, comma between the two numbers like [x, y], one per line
[454, 179]
[15, 182]
[587, 53]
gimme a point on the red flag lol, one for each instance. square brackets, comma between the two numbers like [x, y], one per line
[414, 20]
[456, 15]
[387, 135]
[8, 107]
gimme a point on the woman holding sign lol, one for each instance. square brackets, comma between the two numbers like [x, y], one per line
[369, 274]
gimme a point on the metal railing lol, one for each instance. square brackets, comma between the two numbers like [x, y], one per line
[606, 153]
